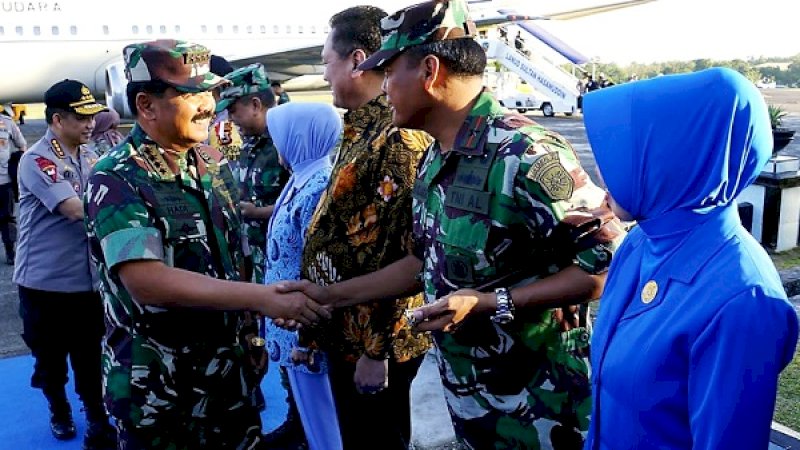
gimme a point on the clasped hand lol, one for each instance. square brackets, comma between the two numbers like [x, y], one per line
[447, 313]
[309, 292]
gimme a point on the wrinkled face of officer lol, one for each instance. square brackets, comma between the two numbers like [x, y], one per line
[182, 118]
[74, 129]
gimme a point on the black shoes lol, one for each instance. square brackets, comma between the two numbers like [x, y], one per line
[61, 424]
[10, 257]
[100, 436]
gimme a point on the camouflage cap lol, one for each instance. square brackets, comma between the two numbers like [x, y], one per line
[247, 80]
[182, 65]
[431, 21]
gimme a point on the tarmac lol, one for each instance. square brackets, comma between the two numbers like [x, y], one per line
[432, 429]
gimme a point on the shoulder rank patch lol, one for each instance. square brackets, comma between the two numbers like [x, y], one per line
[57, 150]
[552, 177]
[47, 167]
[156, 162]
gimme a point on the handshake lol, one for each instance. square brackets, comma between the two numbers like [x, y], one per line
[309, 302]
[299, 303]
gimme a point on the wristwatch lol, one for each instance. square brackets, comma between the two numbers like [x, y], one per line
[505, 307]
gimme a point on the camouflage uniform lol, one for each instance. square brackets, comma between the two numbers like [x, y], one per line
[488, 214]
[175, 378]
[261, 178]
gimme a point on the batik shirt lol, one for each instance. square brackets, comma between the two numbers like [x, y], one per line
[485, 216]
[363, 223]
[168, 366]
[261, 180]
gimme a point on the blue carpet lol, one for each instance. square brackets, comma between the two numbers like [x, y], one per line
[25, 419]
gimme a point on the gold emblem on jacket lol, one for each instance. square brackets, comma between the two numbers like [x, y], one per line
[649, 292]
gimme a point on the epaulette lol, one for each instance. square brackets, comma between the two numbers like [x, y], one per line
[156, 162]
[57, 150]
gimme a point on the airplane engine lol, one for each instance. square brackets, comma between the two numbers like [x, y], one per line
[116, 83]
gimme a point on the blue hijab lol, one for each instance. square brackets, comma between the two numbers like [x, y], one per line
[304, 135]
[677, 150]
[677, 147]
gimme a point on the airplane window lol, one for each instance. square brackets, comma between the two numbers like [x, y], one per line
[288, 29]
[2, 31]
[54, 30]
[263, 29]
[276, 30]
[105, 29]
[300, 29]
[149, 29]
[313, 29]
[178, 28]
[135, 29]
[19, 31]
[36, 30]
[204, 28]
[163, 29]
[326, 30]
[73, 30]
[219, 28]
[236, 29]
[249, 29]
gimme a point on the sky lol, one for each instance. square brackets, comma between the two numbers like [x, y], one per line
[679, 29]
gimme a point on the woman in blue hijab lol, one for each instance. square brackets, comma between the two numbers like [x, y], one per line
[305, 135]
[694, 324]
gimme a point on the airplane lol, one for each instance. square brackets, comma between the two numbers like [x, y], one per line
[43, 42]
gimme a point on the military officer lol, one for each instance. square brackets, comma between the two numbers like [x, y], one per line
[247, 100]
[511, 236]
[11, 140]
[62, 312]
[180, 357]
[224, 135]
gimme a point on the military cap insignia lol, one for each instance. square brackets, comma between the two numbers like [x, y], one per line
[57, 150]
[554, 179]
[85, 91]
[649, 292]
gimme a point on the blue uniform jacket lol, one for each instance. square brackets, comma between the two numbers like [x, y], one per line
[694, 325]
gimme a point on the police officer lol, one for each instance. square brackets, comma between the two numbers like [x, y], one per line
[261, 177]
[10, 137]
[510, 234]
[62, 312]
[182, 357]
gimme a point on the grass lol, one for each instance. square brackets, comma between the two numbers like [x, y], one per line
[787, 259]
[787, 407]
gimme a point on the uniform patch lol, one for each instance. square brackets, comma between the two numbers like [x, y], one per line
[48, 167]
[554, 179]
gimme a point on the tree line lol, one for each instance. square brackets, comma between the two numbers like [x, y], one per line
[757, 69]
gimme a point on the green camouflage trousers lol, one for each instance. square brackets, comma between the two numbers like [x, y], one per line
[502, 380]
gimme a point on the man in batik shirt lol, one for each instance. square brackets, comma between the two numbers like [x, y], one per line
[363, 223]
